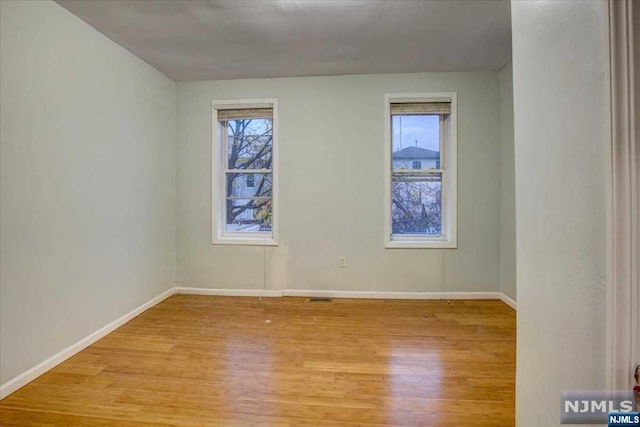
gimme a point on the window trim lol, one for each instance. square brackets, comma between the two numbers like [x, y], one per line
[449, 178]
[218, 193]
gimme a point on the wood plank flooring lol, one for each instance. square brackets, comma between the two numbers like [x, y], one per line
[204, 360]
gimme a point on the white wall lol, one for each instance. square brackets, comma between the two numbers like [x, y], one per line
[559, 110]
[332, 188]
[507, 186]
[87, 147]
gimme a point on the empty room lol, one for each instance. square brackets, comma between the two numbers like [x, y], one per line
[319, 213]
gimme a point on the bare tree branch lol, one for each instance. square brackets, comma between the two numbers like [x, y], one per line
[245, 151]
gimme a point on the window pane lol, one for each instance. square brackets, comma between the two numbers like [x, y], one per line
[248, 215]
[416, 141]
[417, 205]
[239, 185]
[249, 143]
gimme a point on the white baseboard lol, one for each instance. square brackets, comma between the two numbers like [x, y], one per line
[345, 294]
[508, 300]
[389, 295]
[228, 292]
[33, 373]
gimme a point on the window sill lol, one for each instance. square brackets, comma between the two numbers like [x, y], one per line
[242, 241]
[420, 244]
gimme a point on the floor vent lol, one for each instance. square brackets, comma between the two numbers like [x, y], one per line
[320, 300]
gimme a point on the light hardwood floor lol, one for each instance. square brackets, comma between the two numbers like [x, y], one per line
[204, 360]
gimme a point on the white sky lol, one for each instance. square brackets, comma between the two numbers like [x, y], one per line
[408, 129]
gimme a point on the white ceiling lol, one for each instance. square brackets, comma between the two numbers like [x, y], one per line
[210, 40]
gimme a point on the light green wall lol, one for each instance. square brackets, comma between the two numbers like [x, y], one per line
[332, 189]
[87, 166]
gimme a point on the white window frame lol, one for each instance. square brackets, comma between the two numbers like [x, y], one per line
[218, 194]
[448, 169]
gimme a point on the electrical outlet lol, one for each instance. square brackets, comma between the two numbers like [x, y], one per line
[342, 261]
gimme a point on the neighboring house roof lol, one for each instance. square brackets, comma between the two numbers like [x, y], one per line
[415, 153]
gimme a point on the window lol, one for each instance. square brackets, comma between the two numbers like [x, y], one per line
[244, 172]
[420, 171]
